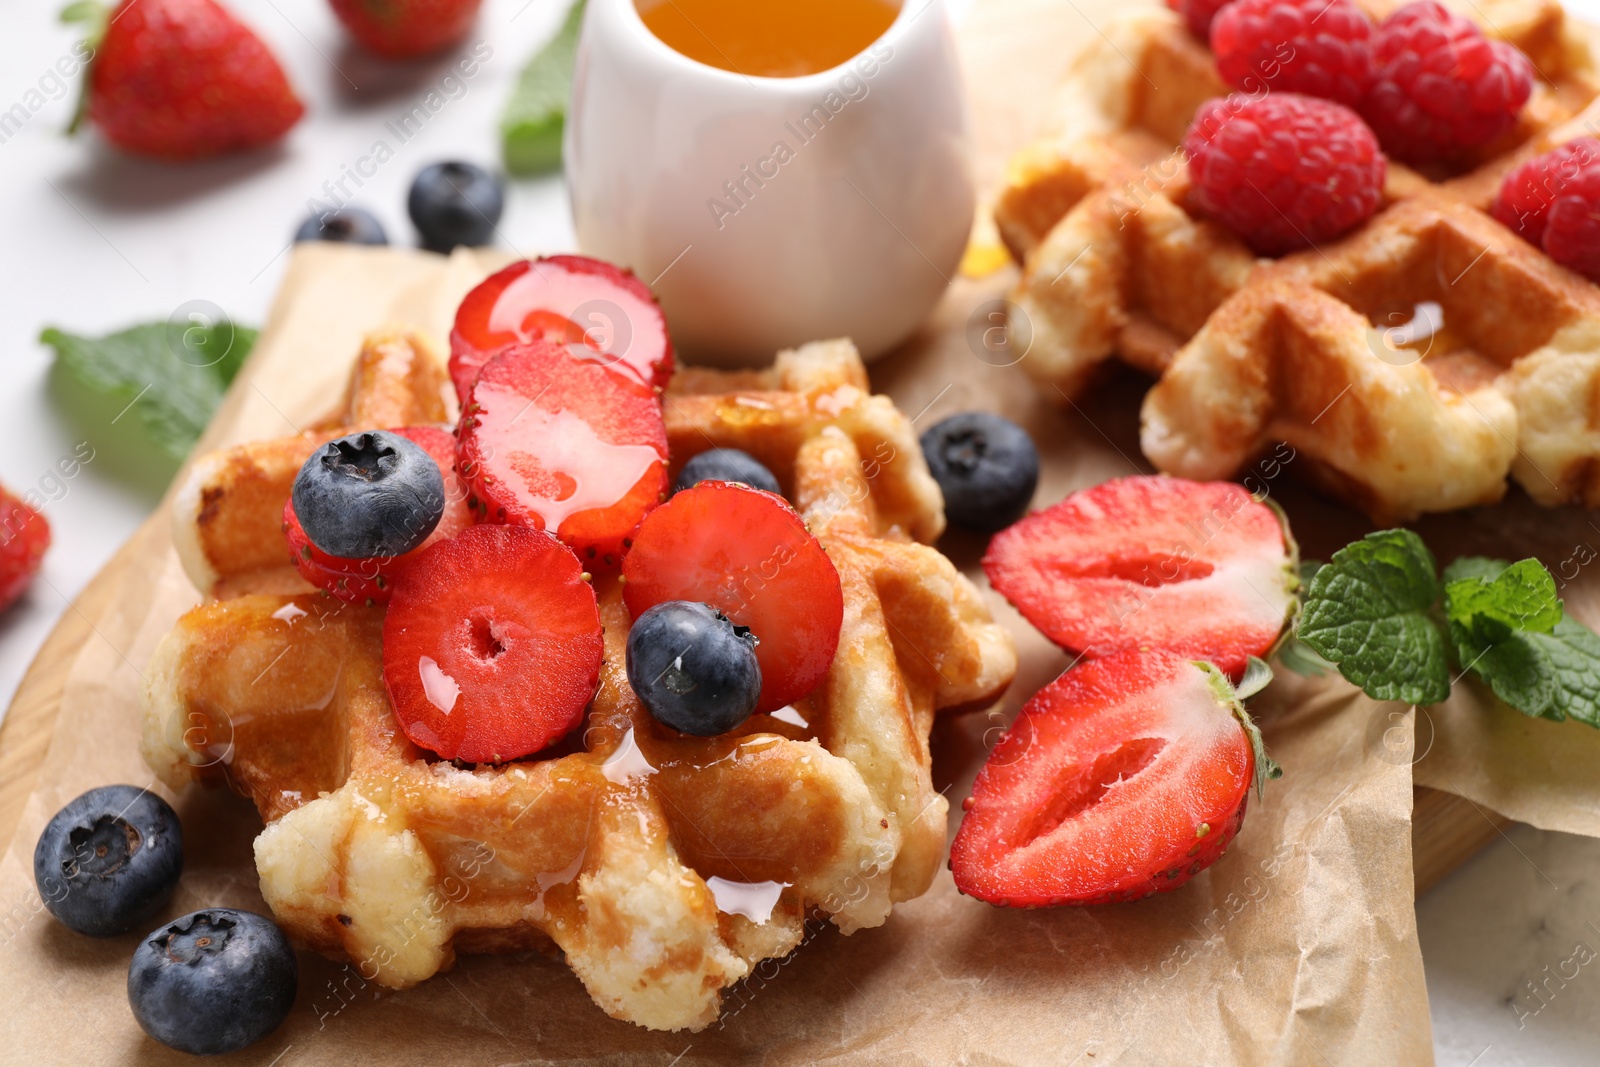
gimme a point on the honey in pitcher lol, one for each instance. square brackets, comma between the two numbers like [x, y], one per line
[769, 38]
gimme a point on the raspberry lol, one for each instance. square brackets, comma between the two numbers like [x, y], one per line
[1572, 222]
[1526, 194]
[1283, 171]
[24, 535]
[1315, 47]
[1198, 14]
[1440, 85]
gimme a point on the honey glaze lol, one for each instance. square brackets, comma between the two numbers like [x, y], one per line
[768, 38]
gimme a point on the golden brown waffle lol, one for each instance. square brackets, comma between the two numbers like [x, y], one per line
[663, 866]
[1301, 349]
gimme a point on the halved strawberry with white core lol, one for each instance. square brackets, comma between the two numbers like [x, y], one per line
[491, 644]
[598, 311]
[558, 444]
[1202, 569]
[749, 555]
[371, 579]
[1124, 777]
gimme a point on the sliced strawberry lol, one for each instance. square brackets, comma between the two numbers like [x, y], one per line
[371, 580]
[1124, 777]
[24, 536]
[748, 554]
[600, 312]
[556, 443]
[1197, 568]
[491, 644]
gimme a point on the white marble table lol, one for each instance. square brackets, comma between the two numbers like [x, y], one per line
[93, 242]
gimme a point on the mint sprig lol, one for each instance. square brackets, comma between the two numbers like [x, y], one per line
[1380, 612]
[1367, 611]
[1510, 629]
[149, 389]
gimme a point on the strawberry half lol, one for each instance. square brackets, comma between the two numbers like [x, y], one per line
[1124, 777]
[1201, 569]
[601, 313]
[491, 644]
[556, 443]
[749, 555]
[371, 579]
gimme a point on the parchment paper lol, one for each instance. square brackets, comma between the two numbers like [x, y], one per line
[1298, 947]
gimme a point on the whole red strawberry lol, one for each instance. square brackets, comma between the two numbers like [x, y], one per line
[24, 536]
[183, 79]
[401, 29]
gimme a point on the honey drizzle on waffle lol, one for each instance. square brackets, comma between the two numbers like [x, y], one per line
[611, 844]
[1250, 351]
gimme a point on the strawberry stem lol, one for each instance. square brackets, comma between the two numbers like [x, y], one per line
[93, 16]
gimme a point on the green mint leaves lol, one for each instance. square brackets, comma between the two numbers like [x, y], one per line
[1380, 612]
[1367, 610]
[530, 129]
[147, 392]
[1509, 628]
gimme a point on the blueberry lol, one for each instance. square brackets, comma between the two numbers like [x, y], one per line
[370, 494]
[455, 204]
[726, 465]
[346, 225]
[693, 668]
[109, 860]
[987, 467]
[213, 981]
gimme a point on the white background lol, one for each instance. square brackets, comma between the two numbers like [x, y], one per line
[93, 241]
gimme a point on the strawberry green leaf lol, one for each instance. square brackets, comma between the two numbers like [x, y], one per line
[161, 378]
[91, 15]
[530, 129]
[1266, 767]
[1368, 611]
[1257, 675]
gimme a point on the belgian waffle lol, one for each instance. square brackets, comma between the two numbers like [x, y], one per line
[1302, 349]
[663, 866]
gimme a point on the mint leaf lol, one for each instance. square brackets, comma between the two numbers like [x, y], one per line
[1484, 611]
[161, 379]
[1553, 675]
[1368, 612]
[530, 129]
[1509, 629]
[1474, 567]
